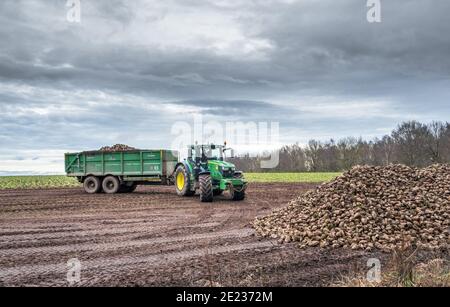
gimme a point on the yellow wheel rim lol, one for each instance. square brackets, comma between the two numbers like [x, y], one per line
[180, 181]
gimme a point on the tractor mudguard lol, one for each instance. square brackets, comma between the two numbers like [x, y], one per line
[186, 166]
[188, 169]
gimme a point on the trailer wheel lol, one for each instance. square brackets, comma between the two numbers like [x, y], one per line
[206, 188]
[111, 185]
[183, 182]
[92, 185]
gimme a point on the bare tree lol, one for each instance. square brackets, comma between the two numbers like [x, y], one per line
[312, 154]
[411, 143]
[383, 151]
[436, 140]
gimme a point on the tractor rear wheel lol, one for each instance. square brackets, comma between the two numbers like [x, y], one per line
[111, 185]
[206, 188]
[92, 185]
[183, 182]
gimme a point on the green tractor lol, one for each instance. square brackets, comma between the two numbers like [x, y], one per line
[206, 170]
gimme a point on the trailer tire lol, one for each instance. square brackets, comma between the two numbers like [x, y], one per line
[92, 185]
[183, 182]
[206, 188]
[111, 185]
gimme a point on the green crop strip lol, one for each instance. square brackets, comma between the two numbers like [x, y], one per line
[291, 177]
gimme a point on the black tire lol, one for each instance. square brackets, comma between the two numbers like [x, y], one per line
[132, 188]
[238, 175]
[186, 189]
[111, 185]
[92, 185]
[124, 188]
[237, 195]
[206, 188]
[217, 192]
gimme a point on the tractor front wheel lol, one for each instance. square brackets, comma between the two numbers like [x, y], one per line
[237, 195]
[206, 188]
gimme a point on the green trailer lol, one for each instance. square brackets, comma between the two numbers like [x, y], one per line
[121, 171]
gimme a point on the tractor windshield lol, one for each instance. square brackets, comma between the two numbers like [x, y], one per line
[206, 152]
[213, 153]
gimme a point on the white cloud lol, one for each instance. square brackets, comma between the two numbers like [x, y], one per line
[172, 25]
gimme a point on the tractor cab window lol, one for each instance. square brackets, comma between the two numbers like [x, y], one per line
[206, 152]
[194, 153]
[215, 153]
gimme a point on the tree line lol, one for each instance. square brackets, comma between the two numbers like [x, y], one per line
[412, 143]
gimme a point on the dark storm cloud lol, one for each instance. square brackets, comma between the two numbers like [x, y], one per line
[317, 67]
[325, 48]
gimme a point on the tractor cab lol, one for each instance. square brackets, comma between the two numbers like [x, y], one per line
[205, 153]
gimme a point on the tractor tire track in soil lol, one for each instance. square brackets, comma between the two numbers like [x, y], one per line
[154, 238]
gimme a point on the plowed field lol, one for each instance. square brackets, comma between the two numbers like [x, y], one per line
[154, 238]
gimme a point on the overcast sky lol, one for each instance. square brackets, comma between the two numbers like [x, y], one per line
[130, 69]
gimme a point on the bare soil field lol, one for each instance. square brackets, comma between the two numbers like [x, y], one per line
[154, 238]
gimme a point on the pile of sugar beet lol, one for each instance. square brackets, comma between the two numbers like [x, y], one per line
[369, 208]
[117, 147]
